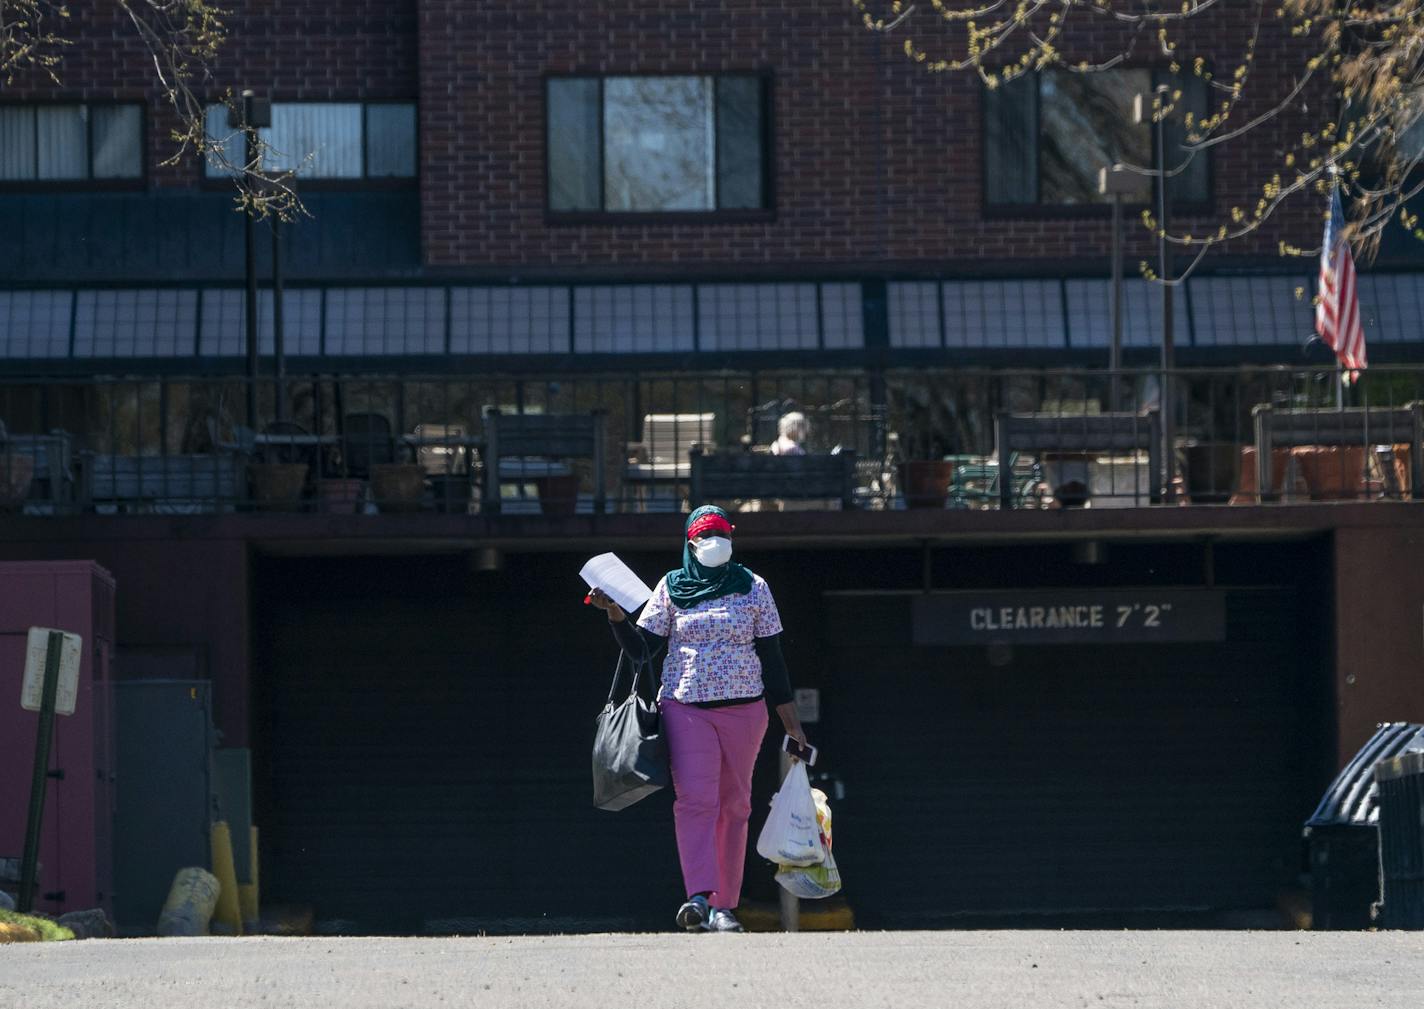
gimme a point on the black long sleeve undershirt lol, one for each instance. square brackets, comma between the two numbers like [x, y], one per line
[642, 644]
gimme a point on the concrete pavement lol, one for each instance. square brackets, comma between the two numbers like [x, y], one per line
[963, 970]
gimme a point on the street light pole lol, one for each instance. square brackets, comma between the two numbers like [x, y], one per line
[252, 114]
[1117, 182]
[250, 265]
[278, 337]
[1143, 109]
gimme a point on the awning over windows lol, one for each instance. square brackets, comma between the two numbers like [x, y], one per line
[958, 317]
[424, 321]
[1074, 314]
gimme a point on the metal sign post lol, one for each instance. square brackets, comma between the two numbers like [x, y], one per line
[61, 662]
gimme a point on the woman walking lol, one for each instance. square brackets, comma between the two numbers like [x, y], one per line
[722, 632]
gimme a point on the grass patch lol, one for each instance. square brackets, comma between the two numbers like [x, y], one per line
[16, 927]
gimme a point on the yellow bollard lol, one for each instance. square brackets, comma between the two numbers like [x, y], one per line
[247, 892]
[228, 913]
[190, 903]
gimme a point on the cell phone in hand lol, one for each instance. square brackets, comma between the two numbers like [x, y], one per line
[807, 753]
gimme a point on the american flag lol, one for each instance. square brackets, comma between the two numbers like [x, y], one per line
[1337, 313]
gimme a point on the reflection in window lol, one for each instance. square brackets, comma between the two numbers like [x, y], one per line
[70, 142]
[1409, 144]
[325, 140]
[1087, 125]
[390, 140]
[321, 140]
[1047, 135]
[657, 150]
[656, 144]
[574, 156]
[117, 132]
[62, 141]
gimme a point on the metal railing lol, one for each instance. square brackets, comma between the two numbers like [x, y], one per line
[921, 438]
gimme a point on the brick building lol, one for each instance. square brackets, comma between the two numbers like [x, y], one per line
[659, 218]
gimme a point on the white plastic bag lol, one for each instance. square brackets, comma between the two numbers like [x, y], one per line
[791, 835]
[810, 882]
[813, 882]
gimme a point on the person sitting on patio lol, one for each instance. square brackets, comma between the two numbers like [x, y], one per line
[791, 431]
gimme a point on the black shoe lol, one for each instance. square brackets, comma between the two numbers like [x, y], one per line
[723, 920]
[694, 915]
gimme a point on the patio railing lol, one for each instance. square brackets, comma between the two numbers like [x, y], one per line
[549, 444]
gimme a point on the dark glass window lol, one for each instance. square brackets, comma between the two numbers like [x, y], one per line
[70, 142]
[327, 140]
[656, 144]
[1046, 135]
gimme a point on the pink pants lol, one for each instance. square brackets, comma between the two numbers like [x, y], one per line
[713, 751]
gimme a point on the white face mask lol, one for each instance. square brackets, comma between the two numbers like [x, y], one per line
[713, 551]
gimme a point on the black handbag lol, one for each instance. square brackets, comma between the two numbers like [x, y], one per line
[630, 757]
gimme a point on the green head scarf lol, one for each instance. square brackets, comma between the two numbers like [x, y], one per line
[693, 582]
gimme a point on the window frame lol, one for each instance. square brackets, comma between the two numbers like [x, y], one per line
[331, 183]
[732, 215]
[1069, 211]
[89, 183]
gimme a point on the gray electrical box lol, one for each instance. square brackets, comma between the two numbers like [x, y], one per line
[163, 798]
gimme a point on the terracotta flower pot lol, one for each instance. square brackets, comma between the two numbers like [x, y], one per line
[17, 472]
[1211, 471]
[558, 495]
[339, 495]
[278, 486]
[452, 492]
[398, 486]
[1333, 472]
[925, 482]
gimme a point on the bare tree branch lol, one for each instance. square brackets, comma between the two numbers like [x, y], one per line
[1368, 55]
[180, 39]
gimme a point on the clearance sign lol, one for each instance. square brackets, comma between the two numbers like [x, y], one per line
[1069, 616]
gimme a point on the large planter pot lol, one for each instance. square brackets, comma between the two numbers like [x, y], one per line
[452, 492]
[397, 486]
[278, 486]
[1334, 472]
[339, 495]
[1287, 479]
[17, 472]
[1211, 471]
[558, 495]
[925, 482]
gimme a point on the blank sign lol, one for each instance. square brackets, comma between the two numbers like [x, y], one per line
[32, 692]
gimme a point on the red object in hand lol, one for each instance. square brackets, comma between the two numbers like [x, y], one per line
[587, 600]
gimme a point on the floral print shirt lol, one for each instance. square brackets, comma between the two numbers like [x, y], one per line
[710, 656]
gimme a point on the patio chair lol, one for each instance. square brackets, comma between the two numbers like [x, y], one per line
[1086, 433]
[725, 476]
[976, 484]
[529, 442]
[662, 459]
[50, 458]
[366, 441]
[289, 453]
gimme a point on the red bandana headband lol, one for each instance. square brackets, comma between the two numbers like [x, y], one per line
[709, 523]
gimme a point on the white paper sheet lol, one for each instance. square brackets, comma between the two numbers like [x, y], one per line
[617, 580]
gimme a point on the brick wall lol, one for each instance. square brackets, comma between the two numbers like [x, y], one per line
[875, 160]
[294, 51]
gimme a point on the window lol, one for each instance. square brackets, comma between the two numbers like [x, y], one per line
[327, 140]
[657, 144]
[1046, 135]
[70, 143]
